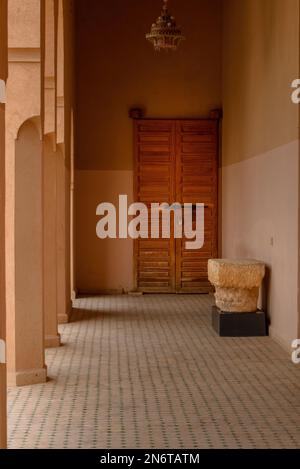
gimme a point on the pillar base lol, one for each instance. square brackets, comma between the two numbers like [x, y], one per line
[27, 378]
[63, 319]
[74, 295]
[52, 341]
[239, 324]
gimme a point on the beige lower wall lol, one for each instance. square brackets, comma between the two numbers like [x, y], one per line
[101, 265]
[260, 220]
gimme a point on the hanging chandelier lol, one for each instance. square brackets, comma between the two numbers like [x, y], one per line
[165, 34]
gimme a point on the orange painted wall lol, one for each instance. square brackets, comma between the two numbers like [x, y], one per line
[116, 69]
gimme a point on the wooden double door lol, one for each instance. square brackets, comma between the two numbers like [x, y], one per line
[176, 161]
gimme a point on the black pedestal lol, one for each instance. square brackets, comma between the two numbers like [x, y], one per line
[239, 324]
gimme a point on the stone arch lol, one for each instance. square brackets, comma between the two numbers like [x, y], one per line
[33, 121]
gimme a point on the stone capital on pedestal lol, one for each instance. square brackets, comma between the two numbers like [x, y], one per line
[237, 283]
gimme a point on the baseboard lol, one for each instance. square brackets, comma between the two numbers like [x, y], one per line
[27, 378]
[104, 292]
[286, 345]
[52, 341]
[135, 293]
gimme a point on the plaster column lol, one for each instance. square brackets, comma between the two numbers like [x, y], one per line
[63, 135]
[3, 76]
[50, 68]
[62, 253]
[24, 200]
[50, 154]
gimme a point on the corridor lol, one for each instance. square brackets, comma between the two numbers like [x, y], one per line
[149, 372]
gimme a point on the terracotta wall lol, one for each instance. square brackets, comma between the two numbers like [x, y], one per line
[117, 69]
[261, 148]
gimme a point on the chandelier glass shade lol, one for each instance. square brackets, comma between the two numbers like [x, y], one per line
[165, 34]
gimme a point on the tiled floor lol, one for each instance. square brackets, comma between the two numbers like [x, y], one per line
[150, 372]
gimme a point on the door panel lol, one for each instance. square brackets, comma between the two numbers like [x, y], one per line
[197, 182]
[176, 161]
[155, 183]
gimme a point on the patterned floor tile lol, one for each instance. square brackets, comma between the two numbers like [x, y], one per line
[149, 372]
